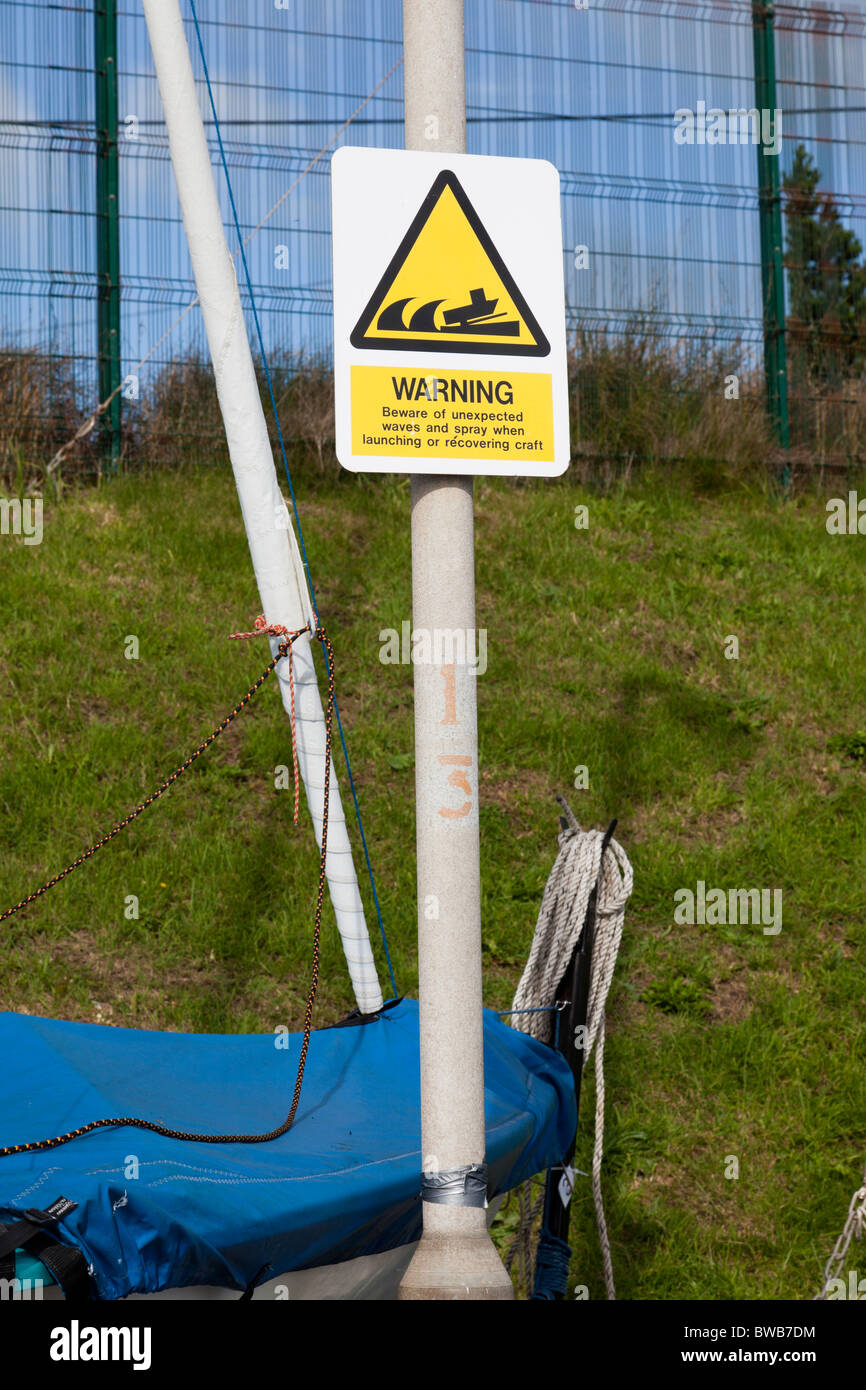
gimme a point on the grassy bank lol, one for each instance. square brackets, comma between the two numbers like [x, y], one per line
[606, 648]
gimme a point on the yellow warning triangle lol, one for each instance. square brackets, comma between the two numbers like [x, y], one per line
[447, 289]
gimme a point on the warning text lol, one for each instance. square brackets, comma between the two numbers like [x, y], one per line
[434, 415]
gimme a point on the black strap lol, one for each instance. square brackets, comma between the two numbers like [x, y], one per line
[65, 1263]
[248, 1291]
[30, 1223]
[356, 1018]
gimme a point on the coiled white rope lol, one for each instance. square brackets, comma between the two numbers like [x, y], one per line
[577, 869]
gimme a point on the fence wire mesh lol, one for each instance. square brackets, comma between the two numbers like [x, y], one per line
[648, 108]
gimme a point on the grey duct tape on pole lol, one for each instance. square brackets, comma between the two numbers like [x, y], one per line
[457, 1187]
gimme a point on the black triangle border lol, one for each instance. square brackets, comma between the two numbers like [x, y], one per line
[448, 179]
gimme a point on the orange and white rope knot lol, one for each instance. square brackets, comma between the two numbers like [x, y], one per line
[262, 628]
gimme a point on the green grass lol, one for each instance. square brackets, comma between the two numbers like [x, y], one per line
[606, 648]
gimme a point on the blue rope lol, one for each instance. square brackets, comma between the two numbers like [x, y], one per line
[289, 481]
[551, 1267]
[543, 1009]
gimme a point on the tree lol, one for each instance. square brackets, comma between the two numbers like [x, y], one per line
[826, 279]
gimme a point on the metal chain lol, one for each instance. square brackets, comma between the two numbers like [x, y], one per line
[854, 1226]
[285, 649]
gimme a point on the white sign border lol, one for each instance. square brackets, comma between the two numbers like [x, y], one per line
[529, 240]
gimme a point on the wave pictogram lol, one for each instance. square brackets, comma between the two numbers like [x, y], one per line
[478, 316]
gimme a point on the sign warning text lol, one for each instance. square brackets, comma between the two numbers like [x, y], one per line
[452, 414]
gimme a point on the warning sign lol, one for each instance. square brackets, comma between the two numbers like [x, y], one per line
[448, 417]
[447, 287]
[449, 314]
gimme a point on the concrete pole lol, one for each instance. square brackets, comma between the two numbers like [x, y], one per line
[456, 1258]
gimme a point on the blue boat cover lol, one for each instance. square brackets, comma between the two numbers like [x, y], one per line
[343, 1182]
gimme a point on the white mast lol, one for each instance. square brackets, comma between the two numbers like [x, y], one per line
[279, 574]
[456, 1258]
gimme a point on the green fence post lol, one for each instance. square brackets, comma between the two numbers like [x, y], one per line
[107, 223]
[770, 211]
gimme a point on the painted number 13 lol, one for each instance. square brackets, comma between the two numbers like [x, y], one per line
[458, 762]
